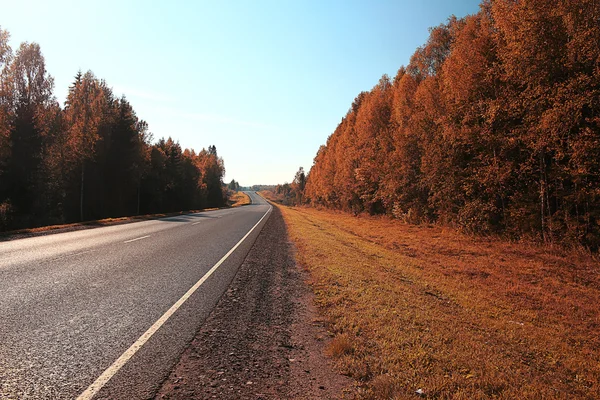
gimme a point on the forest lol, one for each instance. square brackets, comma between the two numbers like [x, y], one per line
[493, 127]
[91, 159]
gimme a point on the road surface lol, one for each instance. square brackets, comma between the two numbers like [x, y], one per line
[72, 304]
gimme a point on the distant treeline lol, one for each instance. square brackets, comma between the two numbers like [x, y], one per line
[290, 194]
[494, 126]
[258, 188]
[91, 159]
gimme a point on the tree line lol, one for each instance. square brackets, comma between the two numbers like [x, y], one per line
[493, 126]
[291, 193]
[92, 158]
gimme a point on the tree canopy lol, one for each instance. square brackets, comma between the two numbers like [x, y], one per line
[494, 126]
[92, 159]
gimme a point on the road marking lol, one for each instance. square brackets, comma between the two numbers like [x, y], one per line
[196, 223]
[140, 238]
[99, 383]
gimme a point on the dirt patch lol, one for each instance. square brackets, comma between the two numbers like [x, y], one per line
[264, 339]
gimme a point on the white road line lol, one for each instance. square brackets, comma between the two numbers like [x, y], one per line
[140, 238]
[99, 383]
[196, 223]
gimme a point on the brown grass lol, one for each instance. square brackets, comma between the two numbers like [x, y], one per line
[272, 196]
[238, 199]
[423, 307]
[339, 345]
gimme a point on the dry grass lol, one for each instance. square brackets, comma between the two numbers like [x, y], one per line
[239, 199]
[422, 307]
[272, 196]
[340, 345]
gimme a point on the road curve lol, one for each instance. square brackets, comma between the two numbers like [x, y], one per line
[72, 303]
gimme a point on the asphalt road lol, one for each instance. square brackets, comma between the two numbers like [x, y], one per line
[72, 303]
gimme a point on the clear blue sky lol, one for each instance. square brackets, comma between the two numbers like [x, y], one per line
[265, 81]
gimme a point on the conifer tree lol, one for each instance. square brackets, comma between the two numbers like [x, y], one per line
[83, 115]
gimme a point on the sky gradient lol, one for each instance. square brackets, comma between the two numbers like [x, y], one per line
[266, 82]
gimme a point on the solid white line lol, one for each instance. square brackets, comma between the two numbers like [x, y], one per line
[196, 223]
[121, 361]
[140, 238]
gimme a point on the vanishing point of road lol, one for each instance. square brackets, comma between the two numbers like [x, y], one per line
[106, 312]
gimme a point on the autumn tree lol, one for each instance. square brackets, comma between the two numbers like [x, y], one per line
[92, 159]
[493, 126]
[212, 170]
[27, 94]
[298, 185]
[233, 186]
[5, 57]
[83, 115]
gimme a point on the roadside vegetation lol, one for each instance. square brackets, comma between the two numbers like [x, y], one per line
[492, 127]
[426, 311]
[91, 158]
[237, 199]
[288, 194]
[454, 223]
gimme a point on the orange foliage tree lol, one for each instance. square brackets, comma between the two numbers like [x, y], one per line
[93, 159]
[494, 126]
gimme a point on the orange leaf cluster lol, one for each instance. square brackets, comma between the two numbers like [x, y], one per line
[494, 126]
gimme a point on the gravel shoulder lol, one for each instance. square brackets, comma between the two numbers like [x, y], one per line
[264, 339]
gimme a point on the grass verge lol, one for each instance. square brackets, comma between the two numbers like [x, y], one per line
[426, 312]
[238, 199]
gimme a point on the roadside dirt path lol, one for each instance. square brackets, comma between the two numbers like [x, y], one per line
[264, 340]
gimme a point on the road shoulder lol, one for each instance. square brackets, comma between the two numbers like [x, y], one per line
[264, 338]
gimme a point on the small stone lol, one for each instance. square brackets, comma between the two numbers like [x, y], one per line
[249, 383]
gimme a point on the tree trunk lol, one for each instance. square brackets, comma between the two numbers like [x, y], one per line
[81, 194]
[542, 196]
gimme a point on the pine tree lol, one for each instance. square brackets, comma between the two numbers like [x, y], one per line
[83, 115]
